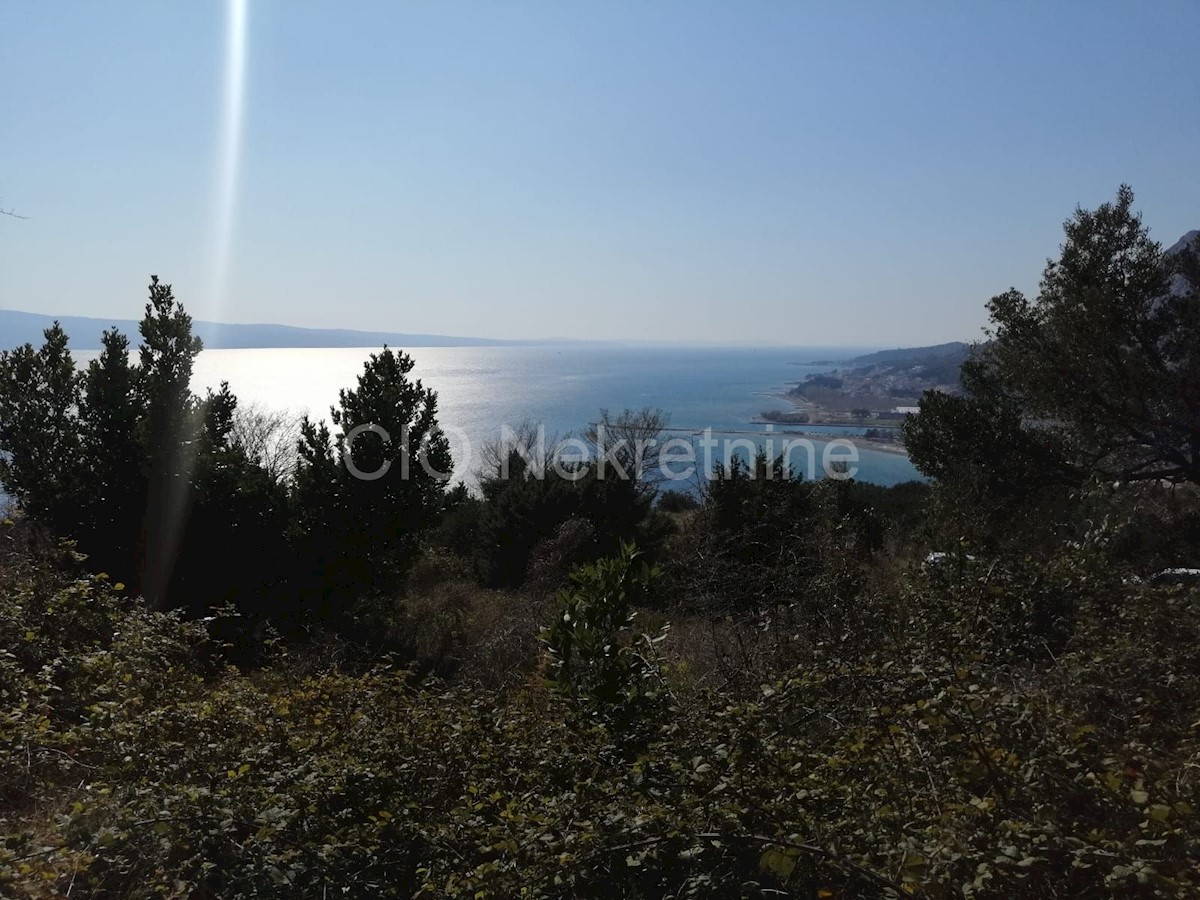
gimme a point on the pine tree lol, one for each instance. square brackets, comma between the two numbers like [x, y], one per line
[115, 495]
[168, 431]
[363, 498]
[39, 431]
[1099, 375]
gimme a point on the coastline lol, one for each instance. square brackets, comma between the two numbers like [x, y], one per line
[824, 436]
[796, 429]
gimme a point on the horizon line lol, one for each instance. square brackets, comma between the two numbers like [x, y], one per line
[378, 336]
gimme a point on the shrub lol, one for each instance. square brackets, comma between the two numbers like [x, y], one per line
[677, 502]
[593, 652]
[926, 759]
[523, 511]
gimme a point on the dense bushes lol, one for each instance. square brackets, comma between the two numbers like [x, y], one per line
[936, 757]
[1014, 722]
[767, 540]
[523, 513]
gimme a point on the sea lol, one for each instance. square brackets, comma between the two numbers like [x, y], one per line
[709, 394]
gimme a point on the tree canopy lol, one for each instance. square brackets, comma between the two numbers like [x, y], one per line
[159, 485]
[1097, 376]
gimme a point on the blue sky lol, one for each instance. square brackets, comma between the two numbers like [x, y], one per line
[796, 173]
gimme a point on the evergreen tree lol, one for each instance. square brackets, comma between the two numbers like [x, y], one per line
[363, 498]
[526, 502]
[115, 496]
[39, 433]
[167, 432]
[1097, 376]
[140, 472]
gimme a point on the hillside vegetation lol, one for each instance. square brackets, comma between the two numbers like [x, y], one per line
[574, 686]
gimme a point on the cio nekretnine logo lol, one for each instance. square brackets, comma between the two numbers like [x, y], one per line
[604, 455]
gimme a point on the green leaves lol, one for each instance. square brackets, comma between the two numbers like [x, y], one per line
[593, 651]
[1093, 377]
[945, 753]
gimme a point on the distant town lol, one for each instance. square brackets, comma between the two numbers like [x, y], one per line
[876, 391]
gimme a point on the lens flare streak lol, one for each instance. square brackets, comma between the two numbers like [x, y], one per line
[169, 498]
[229, 152]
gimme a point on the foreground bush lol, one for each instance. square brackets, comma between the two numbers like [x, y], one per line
[951, 759]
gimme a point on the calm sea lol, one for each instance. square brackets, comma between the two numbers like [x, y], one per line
[482, 389]
[563, 388]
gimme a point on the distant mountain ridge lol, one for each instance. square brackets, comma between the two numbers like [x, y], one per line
[18, 328]
[940, 353]
[948, 356]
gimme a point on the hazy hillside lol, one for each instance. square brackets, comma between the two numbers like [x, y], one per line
[885, 379]
[911, 355]
[20, 327]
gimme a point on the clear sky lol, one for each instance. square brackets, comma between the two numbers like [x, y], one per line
[776, 172]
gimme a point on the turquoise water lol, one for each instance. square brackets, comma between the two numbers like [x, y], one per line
[563, 388]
